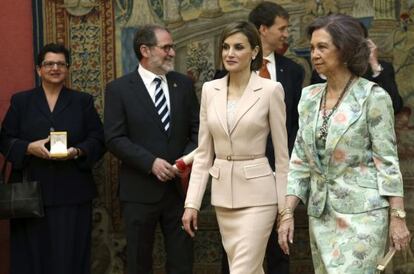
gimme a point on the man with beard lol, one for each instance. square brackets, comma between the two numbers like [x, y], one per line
[151, 119]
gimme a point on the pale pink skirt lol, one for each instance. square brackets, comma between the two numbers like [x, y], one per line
[245, 232]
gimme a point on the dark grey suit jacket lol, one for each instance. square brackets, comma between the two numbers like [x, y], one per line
[134, 133]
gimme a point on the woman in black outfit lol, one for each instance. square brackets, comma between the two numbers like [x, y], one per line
[58, 243]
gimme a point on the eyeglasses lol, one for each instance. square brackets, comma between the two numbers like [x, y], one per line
[166, 48]
[51, 64]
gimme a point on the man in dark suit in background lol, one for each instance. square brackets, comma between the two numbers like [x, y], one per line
[151, 119]
[272, 22]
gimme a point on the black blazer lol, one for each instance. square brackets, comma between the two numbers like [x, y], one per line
[29, 119]
[291, 76]
[386, 80]
[134, 133]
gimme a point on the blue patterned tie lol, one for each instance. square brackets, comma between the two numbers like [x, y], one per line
[161, 104]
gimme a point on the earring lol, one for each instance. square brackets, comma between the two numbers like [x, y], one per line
[253, 57]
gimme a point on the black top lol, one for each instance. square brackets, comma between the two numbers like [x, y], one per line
[29, 119]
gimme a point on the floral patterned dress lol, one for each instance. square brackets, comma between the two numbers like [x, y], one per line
[346, 243]
[346, 180]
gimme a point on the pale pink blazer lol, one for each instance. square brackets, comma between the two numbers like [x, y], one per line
[238, 184]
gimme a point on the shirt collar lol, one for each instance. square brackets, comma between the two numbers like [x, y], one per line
[271, 58]
[148, 76]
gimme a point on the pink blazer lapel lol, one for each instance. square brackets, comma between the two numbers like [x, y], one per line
[220, 102]
[248, 99]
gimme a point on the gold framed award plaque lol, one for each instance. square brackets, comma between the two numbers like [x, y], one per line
[58, 144]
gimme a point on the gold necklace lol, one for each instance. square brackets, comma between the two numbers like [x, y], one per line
[323, 131]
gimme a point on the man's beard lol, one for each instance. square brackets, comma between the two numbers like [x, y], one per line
[162, 65]
[168, 65]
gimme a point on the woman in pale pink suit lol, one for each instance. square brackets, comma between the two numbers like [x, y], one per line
[237, 114]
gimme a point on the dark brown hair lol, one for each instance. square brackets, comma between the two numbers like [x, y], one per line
[249, 30]
[265, 14]
[145, 35]
[348, 36]
[53, 48]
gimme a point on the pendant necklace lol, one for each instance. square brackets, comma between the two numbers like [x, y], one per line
[323, 131]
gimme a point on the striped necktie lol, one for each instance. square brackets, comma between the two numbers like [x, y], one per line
[161, 104]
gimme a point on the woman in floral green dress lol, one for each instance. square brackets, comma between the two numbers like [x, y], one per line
[344, 164]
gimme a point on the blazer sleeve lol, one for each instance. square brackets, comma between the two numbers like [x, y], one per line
[384, 145]
[203, 158]
[116, 133]
[194, 108]
[9, 136]
[93, 145]
[299, 168]
[277, 121]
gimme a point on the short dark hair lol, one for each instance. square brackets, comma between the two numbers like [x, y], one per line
[54, 48]
[145, 35]
[348, 36]
[265, 14]
[252, 35]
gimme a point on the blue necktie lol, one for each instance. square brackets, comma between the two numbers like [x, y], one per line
[161, 104]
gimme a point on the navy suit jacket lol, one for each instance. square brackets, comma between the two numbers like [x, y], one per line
[135, 135]
[290, 75]
[29, 119]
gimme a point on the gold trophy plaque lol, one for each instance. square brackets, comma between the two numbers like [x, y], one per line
[58, 144]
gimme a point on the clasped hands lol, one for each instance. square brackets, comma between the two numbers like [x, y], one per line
[164, 171]
[38, 149]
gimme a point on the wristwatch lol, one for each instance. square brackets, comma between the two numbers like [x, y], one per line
[397, 212]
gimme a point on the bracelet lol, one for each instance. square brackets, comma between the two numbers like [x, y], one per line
[286, 210]
[286, 215]
[283, 219]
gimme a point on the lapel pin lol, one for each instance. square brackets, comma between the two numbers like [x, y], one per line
[281, 70]
[175, 85]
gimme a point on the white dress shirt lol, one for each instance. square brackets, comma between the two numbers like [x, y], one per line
[271, 65]
[148, 79]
